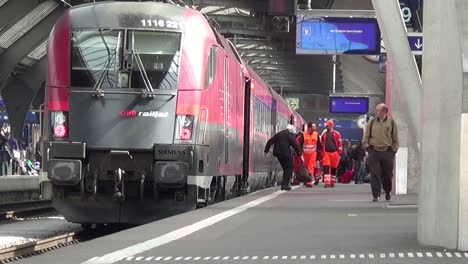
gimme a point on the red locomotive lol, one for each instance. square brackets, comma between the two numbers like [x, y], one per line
[151, 112]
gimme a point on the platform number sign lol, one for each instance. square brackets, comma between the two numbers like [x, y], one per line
[293, 103]
[406, 10]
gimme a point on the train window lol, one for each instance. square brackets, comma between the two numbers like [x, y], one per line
[95, 55]
[216, 34]
[211, 67]
[160, 55]
[234, 50]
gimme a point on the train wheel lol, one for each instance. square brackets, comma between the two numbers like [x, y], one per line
[87, 227]
[214, 191]
[223, 191]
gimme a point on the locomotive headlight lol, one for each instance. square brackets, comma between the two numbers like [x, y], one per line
[60, 118]
[59, 124]
[184, 127]
[188, 121]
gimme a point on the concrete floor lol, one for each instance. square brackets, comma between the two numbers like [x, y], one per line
[317, 225]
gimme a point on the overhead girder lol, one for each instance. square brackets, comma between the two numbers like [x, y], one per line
[290, 78]
[14, 10]
[17, 96]
[303, 88]
[256, 5]
[266, 45]
[19, 91]
[36, 74]
[23, 46]
[313, 4]
[251, 40]
[289, 74]
[263, 62]
[255, 55]
[356, 5]
[265, 52]
[248, 20]
[283, 60]
[254, 47]
[268, 41]
[256, 33]
[214, 11]
[318, 80]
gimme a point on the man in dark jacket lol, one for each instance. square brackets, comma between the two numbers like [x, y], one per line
[283, 142]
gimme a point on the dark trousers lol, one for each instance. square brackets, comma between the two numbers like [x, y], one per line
[287, 164]
[381, 169]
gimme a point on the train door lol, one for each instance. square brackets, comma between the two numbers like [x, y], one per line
[247, 120]
[226, 110]
[273, 116]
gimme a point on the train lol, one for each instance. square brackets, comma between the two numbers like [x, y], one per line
[151, 112]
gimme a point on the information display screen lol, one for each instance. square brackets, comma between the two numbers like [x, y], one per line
[349, 105]
[337, 35]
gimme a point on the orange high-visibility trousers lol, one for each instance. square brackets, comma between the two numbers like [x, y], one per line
[331, 159]
[309, 161]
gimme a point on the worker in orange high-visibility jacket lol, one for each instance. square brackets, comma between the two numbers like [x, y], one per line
[311, 148]
[332, 147]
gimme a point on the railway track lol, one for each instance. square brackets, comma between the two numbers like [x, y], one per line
[14, 253]
[40, 246]
[25, 208]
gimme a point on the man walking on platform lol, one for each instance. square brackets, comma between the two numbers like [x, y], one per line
[381, 142]
[311, 147]
[332, 146]
[283, 142]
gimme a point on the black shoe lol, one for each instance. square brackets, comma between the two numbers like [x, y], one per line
[285, 188]
[376, 198]
[316, 182]
[388, 196]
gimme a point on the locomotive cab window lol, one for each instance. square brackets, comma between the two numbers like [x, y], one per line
[95, 55]
[108, 59]
[158, 55]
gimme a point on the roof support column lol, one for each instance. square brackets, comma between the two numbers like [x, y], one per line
[402, 95]
[443, 208]
[405, 68]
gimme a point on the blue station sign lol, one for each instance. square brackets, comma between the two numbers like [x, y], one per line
[337, 35]
[349, 105]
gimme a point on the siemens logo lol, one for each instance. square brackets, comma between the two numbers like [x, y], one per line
[173, 152]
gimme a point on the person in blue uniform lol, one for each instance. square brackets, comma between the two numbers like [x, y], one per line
[283, 141]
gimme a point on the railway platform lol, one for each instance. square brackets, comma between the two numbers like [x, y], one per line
[14, 188]
[317, 225]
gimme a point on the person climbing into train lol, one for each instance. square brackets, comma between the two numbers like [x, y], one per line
[312, 147]
[332, 146]
[283, 141]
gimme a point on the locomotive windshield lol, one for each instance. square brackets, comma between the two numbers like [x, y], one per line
[108, 59]
[95, 54]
